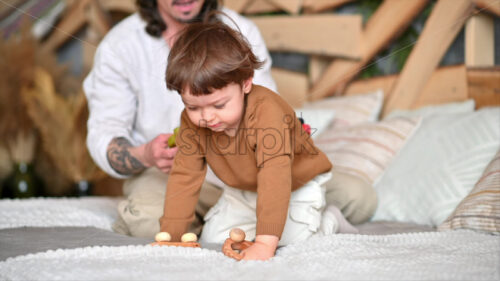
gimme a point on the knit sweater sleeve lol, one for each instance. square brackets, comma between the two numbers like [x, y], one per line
[184, 182]
[273, 148]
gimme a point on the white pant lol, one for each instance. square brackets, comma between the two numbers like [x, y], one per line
[237, 208]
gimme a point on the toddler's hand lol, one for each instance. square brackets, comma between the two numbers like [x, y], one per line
[262, 249]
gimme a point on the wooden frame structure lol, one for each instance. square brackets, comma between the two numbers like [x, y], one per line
[340, 46]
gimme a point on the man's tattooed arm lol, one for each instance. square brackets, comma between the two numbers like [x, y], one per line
[120, 158]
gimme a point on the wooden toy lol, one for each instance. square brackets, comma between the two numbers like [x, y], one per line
[189, 237]
[235, 244]
[163, 237]
[237, 235]
[188, 240]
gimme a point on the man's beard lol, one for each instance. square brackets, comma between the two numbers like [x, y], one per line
[191, 20]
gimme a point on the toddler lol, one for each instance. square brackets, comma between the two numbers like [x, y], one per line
[253, 142]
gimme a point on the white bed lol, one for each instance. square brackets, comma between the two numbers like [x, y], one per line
[70, 239]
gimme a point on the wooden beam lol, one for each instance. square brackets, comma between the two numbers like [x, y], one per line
[363, 86]
[389, 20]
[480, 41]
[315, 6]
[325, 34]
[236, 5]
[127, 6]
[446, 20]
[292, 85]
[98, 19]
[317, 65]
[261, 6]
[484, 87]
[77, 15]
[92, 39]
[291, 6]
[447, 84]
[99, 23]
[74, 18]
[492, 6]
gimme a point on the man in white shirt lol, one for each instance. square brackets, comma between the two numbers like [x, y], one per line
[132, 113]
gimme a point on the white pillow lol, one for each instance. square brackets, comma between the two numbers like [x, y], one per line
[351, 110]
[438, 167]
[318, 119]
[448, 108]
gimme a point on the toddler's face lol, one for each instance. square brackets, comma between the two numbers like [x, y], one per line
[219, 111]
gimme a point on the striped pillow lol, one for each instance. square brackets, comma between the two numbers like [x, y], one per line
[351, 110]
[365, 150]
[480, 210]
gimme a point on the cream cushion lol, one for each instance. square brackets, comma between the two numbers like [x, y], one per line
[351, 110]
[438, 167]
[318, 119]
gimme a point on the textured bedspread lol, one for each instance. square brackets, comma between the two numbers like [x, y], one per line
[99, 212]
[87, 250]
[459, 255]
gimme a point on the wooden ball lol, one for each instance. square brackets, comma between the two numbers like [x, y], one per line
[163, 237]
[237, 235]
[189, 237]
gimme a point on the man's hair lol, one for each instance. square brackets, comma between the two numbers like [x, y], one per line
[209, 56]
[148, 9]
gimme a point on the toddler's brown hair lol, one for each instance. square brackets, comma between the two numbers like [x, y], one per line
[208, 56]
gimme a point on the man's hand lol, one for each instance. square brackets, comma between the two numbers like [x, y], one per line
[263, 248]
[127, 159]
[156, 153]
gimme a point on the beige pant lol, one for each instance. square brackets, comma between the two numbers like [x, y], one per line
[145, 193]
[354, 197]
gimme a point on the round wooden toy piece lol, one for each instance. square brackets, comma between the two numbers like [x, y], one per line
[162, 237]
[189, 237]
[237, 235]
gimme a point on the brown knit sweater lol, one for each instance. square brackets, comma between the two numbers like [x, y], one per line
[271, 154]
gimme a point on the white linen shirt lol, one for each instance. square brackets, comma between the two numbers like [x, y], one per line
[126, 89]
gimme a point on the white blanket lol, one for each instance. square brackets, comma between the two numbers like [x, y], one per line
[99, 212]
[457, 255]
[454, 255]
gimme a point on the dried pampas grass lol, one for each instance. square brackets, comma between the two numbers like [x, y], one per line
[5, 163]
[46, 104]
[16, 128]
[16, 65]
[61, 123]
[19, 55]
[22, 147]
